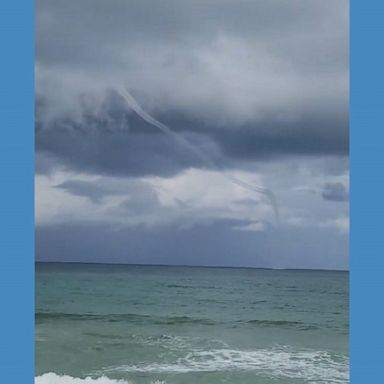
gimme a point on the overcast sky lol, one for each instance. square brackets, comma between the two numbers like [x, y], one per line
[257, 89]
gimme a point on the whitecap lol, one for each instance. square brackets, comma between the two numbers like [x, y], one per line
[312, 366]
[53, 378]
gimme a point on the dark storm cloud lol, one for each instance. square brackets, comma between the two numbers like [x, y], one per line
[98, 189]
[115, 141]
[115, 154]
[335, 192]
[326, 136]
[252, 79]
[130, 147]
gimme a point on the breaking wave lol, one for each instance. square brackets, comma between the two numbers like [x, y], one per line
[318, 367]
[312, 366]
[53, 378]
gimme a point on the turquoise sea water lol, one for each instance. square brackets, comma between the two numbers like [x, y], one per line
[180, 325]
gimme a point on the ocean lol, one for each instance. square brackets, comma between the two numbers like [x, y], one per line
[111, 324]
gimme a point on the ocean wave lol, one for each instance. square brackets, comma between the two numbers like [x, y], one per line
[170, 320]
[178, 343]
[191, 286]
[53, 378]
[48, 316]
[312, 366]
[121, 317]
[283, 324]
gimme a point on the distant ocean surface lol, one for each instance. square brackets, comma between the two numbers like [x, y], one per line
[110, 324]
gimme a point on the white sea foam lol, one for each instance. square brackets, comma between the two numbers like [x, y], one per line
[53, 378]
[317, 367]
[312, 366]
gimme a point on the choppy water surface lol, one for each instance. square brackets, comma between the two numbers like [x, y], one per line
[179, 325]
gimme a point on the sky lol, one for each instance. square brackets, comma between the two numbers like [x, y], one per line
[254, 94]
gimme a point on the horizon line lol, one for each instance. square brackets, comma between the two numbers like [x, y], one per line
[191, 266]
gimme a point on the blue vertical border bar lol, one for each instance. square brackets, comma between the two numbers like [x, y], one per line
[17, 191]
[367, 191]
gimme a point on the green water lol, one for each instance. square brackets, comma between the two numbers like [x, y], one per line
[180, 325]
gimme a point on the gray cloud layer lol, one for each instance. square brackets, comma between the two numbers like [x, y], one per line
[257, 78]
[261, 87]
